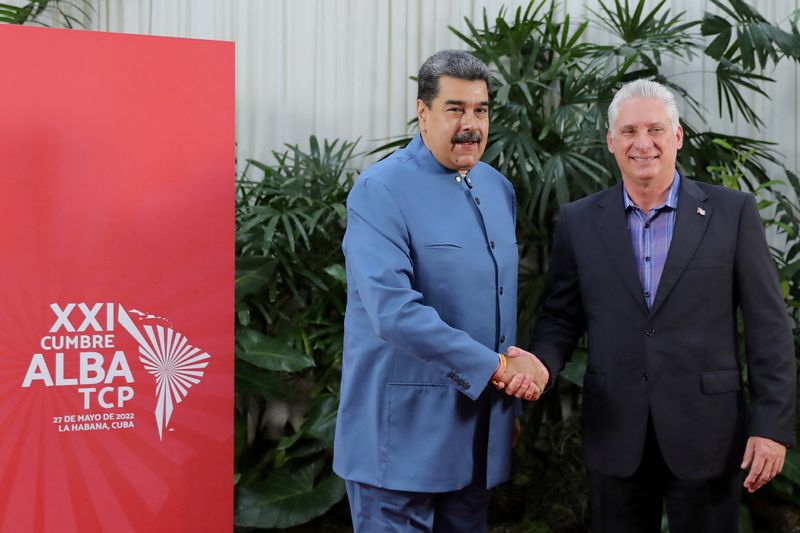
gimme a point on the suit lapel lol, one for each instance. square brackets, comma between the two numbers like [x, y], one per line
[691, 221]
[612, 227]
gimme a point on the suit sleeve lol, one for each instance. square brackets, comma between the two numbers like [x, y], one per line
[771, 364]
[378, 253]
[561, 320]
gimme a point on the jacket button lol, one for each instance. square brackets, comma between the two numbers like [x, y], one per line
[645, 377]
[650, 332]
[477, 200]
[502, 339]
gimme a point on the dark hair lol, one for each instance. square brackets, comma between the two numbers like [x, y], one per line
[454, 63]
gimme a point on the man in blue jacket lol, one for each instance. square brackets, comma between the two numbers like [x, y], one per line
[431, 254]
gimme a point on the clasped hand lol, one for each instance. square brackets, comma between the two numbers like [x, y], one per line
[524, 377]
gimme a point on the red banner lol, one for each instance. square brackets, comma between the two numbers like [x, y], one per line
[116, 282]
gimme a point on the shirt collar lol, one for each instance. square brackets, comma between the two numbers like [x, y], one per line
[672, 196]
[417, 149]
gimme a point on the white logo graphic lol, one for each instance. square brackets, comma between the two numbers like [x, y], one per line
[167, 355]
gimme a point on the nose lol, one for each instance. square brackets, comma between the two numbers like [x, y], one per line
[642, 141]
[468, 122]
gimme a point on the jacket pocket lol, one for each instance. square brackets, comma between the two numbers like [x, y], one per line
[443, 246]
[418, 424]
[719, 381]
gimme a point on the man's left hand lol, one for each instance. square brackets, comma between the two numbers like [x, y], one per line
[764, 457]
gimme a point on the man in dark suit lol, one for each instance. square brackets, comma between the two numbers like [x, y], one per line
[654, 269]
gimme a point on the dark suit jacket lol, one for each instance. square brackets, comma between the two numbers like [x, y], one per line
[677, 361]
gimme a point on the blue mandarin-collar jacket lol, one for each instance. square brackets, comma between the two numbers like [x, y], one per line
[431, 298]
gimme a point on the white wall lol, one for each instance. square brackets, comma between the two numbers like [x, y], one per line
[340, 68]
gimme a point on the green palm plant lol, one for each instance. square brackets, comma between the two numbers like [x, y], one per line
[61, 11]
[289, 306]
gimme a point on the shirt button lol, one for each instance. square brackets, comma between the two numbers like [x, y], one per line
[647, 258]
[650, 332]
[647, 226]
[477, 200]
[502, 339]
[491, 245]
[458, 179]
[647, 294]
[501, 291]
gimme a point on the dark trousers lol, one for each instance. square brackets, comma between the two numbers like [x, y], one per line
[377, 510]
[635, 504]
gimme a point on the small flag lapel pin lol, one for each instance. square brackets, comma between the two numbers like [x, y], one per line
[701, 211]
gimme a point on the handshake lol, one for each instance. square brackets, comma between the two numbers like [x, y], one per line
[521, 375]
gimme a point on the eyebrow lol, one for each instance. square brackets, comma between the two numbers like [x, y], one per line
[652, 124]
[462, 102]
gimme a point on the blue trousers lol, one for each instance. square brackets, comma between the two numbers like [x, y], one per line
[376, 510]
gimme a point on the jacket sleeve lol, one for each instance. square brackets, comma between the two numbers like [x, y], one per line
[771, 366]
[561, 320]
[378, 253]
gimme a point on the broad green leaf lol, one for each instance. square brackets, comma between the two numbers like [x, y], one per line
[714, 24]
[287, 442]
[249, 282]
[575, 369]
[502, 94]
[288, 497]
[341, 211]
[250, 378]
[337, 272]
[252, 274]
[270, 353]
[307, 448]
[718, 46]
[321, 419]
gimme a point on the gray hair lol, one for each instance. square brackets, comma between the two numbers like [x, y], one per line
[454, 63]
[643, 89]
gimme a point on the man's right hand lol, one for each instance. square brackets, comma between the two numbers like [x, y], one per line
[525, 376]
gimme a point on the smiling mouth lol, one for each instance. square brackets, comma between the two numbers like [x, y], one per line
[644, 159]
[466, 146]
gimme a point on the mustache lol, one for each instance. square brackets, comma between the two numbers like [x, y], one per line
[467, 137]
